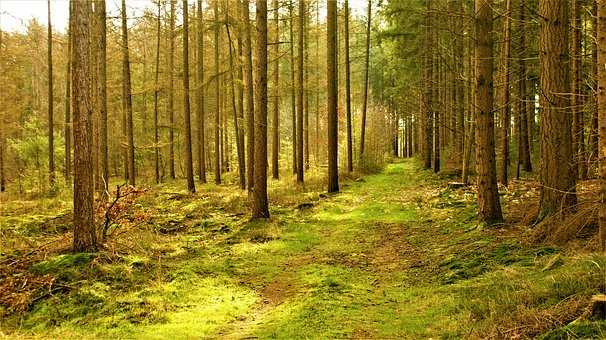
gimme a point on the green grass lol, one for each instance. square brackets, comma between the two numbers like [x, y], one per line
[396, 255]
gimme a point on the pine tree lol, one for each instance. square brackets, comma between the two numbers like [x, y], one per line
[331, 87]
[127, 105]
[189, 164]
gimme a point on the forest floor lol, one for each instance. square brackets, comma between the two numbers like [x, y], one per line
[398, 254]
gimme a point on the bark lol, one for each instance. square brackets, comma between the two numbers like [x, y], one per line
[506, 113]
[578, 135]
[558, 175]
[300, 90]
[365, 92]
[601, 99]
[275, 151]
[332, 83]
[489, 207]
[189, 164]
[102, 95]
[250, 101]
[217, 103]
[260, 202]
[156, 95]
[239, 146]
[348, 91]
[200, 95]
[171, 91]
[85, 238]
[293, 96]
[128, 104]
[51, 139]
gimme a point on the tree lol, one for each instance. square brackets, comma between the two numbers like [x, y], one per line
[523, 114]
[2, 140]
[85, 237]
[127, 105]
[427, 115]
[67, 126]
[331, 87]
[102, 91]
[348, 90]
[578, 135]
[189, 164]
[260, 202]
[504, 173]
[488, 194]
[171, 91]
[250, 103]
[275, 151]
[217, 104]
[292, 88]
[300, 90]
[51, 147]
[601, 43]
[365, 93]
[557, 177]
[156, 95]
[200, 96]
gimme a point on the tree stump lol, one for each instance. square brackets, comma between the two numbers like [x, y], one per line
[598, 307]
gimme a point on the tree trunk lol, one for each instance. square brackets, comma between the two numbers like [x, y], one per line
[332, 83]
[557, 175]
[250, 100]
[217, 104]
[128, 104]
[102, 95]
[365, 93]
[292, 89]
[601, 43]
[156, 94]
[488, 194]
[189, 164]
[300, 90]
[578, 135]
[275, 152]
[67, 129]
[593, 137]
[200, 95]
[506, 119]
[239, 147]
[260, 203]
[427, 116]
[348, 91]
[51, 139]
[85, 237]
[171, 92]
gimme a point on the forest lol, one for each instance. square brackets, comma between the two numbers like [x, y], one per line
[303, 169]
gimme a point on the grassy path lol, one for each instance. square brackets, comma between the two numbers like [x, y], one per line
[395, 255]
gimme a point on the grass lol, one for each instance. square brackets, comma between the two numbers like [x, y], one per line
[395, 255]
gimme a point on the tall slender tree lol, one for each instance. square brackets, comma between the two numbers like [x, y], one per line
[250, 102]
[217, 94]
[506, 117]
[51, 139]
[275, 145]
[557, 177]
[300, 90]
[239, 141]
[127, 100]
[488, 194]
[601, 43]
[171, 91]
[365, 92]
[67, 126]
[523, 112]
[156, 97]
[348, 90]
[331, 87]
[578, 134]
[260, 202]
[189, 164]
[2, 140]
[427, 116]
[85, 237]
[293, 96]
[200, 95]
[100, 11]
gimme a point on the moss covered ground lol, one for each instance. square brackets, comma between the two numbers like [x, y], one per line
[394, 255]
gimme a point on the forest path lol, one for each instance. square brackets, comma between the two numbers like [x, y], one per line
[357, 264]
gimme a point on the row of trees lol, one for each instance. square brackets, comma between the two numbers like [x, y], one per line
[532, 79]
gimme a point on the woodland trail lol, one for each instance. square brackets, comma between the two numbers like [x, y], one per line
[394, 255]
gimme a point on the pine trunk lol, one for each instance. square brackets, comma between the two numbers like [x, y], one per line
[332, 83]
